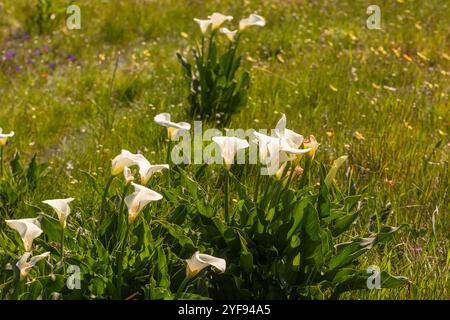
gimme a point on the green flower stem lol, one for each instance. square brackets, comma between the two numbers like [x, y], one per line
[62, 247]
[120, 262]
[105, 195]
[181, 287]
[210, 45]
[286, 187]
[229, 67]
[264, 201]
[304, 179]
[169, 147]
[258, 179]
[203, 48]
[279, 184]
[1, 162]
[119, 220]
[18, 287]
[227, 216]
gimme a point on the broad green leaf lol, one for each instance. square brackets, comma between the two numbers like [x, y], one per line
[343, 223]
[347, 252]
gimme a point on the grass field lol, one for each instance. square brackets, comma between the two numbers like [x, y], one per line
[379, 96]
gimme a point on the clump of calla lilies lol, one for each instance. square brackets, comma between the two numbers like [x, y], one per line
[127, 202]
[28, 228]
[275, 151]
[216, 89]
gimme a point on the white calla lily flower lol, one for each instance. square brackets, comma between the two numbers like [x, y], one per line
[28, 229]
[199, 261]
[229, 146]
[173, 128]
[139, 199]
[287, 137]
[269, 152]
[124, 159]
[25, 264]
[228, 33]
[4, 137]
[290, 140]
[217, 19]
[252, 20]
[204, 24]
[61, 207]
[334, 168]
[147, 170]
[268, 146]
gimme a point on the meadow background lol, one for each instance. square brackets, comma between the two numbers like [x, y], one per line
[379, 96]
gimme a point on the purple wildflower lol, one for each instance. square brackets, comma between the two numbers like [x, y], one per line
[37, 52]
[46, 49]
[17, 68]
[9, 55]
[52, 66]
[70, 57]
[26, 37]
[30, 61]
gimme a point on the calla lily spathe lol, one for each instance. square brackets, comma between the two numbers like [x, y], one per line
[269, 152]
[252, 20]
[4, 137]
[228, 147]
[334, 168]
[217, 19]
[28, 229]
[61, 207]
[276, 151]
[139, 199]
[311, 143]
[279, 172]
[268, 146]
[204, 24]
[25, 264]
[288, 137]
[124, 159]
[199, 261]
[290, 141]
[228, 33]
[173, 128]
[147, 170]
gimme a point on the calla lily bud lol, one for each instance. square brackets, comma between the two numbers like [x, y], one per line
[334, 168]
